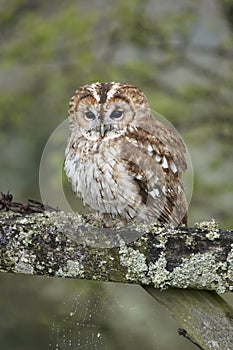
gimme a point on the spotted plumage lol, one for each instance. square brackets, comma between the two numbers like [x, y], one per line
[120, 159]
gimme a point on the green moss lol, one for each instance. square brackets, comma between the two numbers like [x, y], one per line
[158, 274]
[189, 240]
[212, 227]
[134, 261]
[200, 270]
[230, 266]
[72, 269]
[123, 263]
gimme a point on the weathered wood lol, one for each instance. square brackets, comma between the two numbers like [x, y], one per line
[206, 317]
[65, 245]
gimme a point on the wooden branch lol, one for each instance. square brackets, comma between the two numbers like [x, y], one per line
[206, 317]
[65, 245]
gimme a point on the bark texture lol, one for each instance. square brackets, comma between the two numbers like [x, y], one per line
[65, 245]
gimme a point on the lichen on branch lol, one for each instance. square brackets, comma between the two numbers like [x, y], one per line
[63, 244]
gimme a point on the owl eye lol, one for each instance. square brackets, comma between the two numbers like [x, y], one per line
[90, 115]
[116, 114]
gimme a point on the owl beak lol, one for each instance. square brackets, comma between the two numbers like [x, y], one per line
[103, 129]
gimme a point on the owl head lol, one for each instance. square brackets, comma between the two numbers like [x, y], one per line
[102, 110]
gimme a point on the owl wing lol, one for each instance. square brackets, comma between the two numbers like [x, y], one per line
[155, 156]
[164, 140]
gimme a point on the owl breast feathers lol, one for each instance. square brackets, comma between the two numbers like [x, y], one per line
[121, 161]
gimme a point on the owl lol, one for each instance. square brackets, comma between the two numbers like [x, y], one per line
[121, 161]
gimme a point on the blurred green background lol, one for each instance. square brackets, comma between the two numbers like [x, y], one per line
[180, 53]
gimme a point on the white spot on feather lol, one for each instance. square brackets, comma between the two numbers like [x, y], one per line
[95, 146]
[132, 141]
[154, 193]
[93, 90]
[112, 91]
[165, 163]
[149, 148]
[157, 158]
[173, 167]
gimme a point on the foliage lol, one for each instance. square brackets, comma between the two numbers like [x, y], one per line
[179, 53]
[49, 50]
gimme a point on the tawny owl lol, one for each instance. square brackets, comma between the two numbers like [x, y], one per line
[122, 162]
